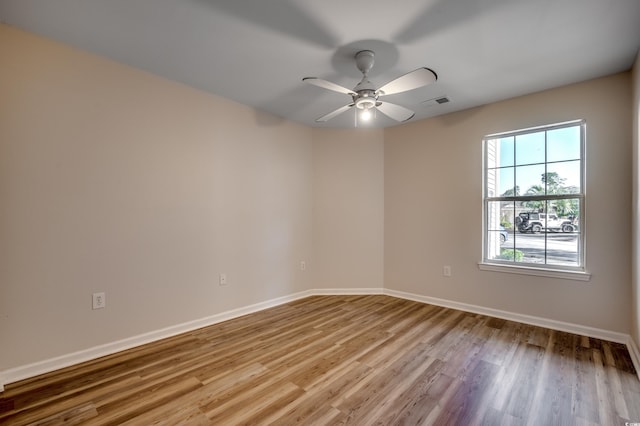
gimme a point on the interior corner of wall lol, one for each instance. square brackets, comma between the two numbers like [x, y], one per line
[634, 353]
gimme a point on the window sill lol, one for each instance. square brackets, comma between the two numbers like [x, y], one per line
[539, 272]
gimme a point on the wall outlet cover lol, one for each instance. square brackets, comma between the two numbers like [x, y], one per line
[99, 300]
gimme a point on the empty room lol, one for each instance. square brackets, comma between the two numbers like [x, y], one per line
[224, 212]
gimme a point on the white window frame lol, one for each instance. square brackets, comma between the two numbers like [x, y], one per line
[547, 270]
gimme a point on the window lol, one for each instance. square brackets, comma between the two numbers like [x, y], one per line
[534, 198]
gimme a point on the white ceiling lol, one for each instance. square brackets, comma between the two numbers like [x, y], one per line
[257, 51]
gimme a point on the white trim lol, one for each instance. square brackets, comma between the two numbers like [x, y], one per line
[634, 353]
[347, 291]
[582, 330]
[561, 125]
[52, 364]
[539, 272]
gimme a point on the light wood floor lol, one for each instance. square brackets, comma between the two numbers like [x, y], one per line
[344, 360]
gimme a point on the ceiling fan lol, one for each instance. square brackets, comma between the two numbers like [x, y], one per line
[365, 96]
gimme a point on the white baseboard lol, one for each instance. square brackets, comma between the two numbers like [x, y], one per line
[346, 291]
[582, 330]
[46, 366]
[634, 352]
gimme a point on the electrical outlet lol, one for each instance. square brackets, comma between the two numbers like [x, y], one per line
[223, 279]
[99, 300]
[303, 265]
[446, 270]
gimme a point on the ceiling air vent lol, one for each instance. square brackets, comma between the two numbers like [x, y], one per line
[436, 101]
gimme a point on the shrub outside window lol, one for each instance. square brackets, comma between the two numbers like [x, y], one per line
[534, 197]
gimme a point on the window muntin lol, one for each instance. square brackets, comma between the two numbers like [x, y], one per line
[534, 197]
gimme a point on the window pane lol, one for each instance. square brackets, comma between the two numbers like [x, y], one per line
[568, 213]
[507, 216]
[563, 144]
[529, 179]
[492, 182]
[530, 148]
[495, 240]
[506, 183]
[493, 215]
[492, 155]
[494, 236]
[506, 151]
[562, 249]
[564, 178]
[506, 231]
[526, 214]
[530, 247]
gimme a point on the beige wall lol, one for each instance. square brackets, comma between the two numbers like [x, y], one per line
[114, 180]
[635, 263]
[348, 209]
[433, 207]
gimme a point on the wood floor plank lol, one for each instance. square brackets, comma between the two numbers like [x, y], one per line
[121, 409]
[69, 401]
[187, 408]
[255, 405]
[612, 366]
[553, 397]
[411, 397]
[315, 403]
[349, 359]
[507, 377]
[74, 416]
[504, 342]
[606, 408]
[585, 387]
[366, 400]
[470, 401]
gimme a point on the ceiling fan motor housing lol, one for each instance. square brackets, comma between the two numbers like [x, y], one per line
[366, 100]
[366, 96]
[365, 60]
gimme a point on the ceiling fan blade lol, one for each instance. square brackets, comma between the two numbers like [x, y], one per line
[412, 80]
[334, 113]
[397, 112]
[328, 85]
